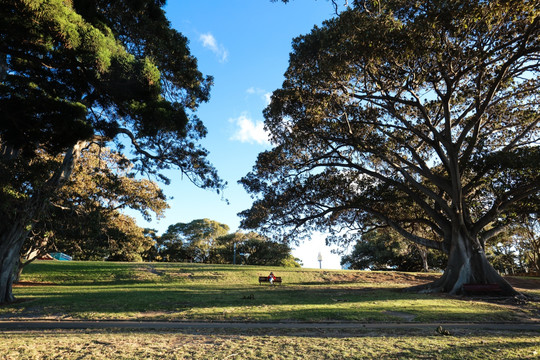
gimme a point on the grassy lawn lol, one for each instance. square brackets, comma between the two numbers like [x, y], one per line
[165, 291]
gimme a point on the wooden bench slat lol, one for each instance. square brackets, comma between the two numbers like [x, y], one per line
[482, 288]
[265, 279]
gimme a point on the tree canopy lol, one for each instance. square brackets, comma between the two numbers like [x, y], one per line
[84, 219]
[419, 116]
[192, 240]
[79, 72]
[385, 249]
[208, 241]
[252, 249]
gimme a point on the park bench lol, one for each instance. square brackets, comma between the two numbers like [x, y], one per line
[263, 279]
[481, 288]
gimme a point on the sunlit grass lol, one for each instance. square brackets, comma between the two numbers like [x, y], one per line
[165, 291]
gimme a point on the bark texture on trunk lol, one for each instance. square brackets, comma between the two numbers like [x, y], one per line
[424, 255]
[19, 221]
[11, 243]
[467, 264]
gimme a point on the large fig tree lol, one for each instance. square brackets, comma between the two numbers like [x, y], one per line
[410, 115]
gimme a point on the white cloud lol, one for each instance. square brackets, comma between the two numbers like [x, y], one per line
[250, 131]
[265, 95]
[209, 41]
[267, 98]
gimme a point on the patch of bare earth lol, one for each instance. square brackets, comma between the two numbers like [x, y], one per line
[525, 308]
[524, 282]
[33, 283]
[409, 279]
[413, 279]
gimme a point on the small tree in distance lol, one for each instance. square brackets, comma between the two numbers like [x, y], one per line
[208, 241]
[193, 240]
[385, 249]
[251, 249]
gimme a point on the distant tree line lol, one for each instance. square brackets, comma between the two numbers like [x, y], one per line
[84, 219]
[517, 250]
[118, 238]
[208, 241]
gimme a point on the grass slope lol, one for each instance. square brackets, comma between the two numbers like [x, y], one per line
[178, 291]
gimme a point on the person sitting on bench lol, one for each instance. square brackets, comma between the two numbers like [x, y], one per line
[271, 278]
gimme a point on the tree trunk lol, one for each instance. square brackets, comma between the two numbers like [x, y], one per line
[466, 265]
[424, 256]
[17, 227]
[19, 270]
[11, 243]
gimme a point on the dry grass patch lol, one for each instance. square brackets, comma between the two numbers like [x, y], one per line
[268, 344]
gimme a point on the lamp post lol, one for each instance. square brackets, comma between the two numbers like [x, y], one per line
[319, 257]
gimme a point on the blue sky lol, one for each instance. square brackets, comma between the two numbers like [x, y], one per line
[245, 46]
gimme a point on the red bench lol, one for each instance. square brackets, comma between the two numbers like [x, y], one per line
[481, 288]
[263, 279]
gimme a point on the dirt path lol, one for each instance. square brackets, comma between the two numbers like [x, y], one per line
[341, 326]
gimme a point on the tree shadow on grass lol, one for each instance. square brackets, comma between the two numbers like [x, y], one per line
[255, 303]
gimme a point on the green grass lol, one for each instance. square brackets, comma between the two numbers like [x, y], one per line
[157, 291]
[177, 291]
